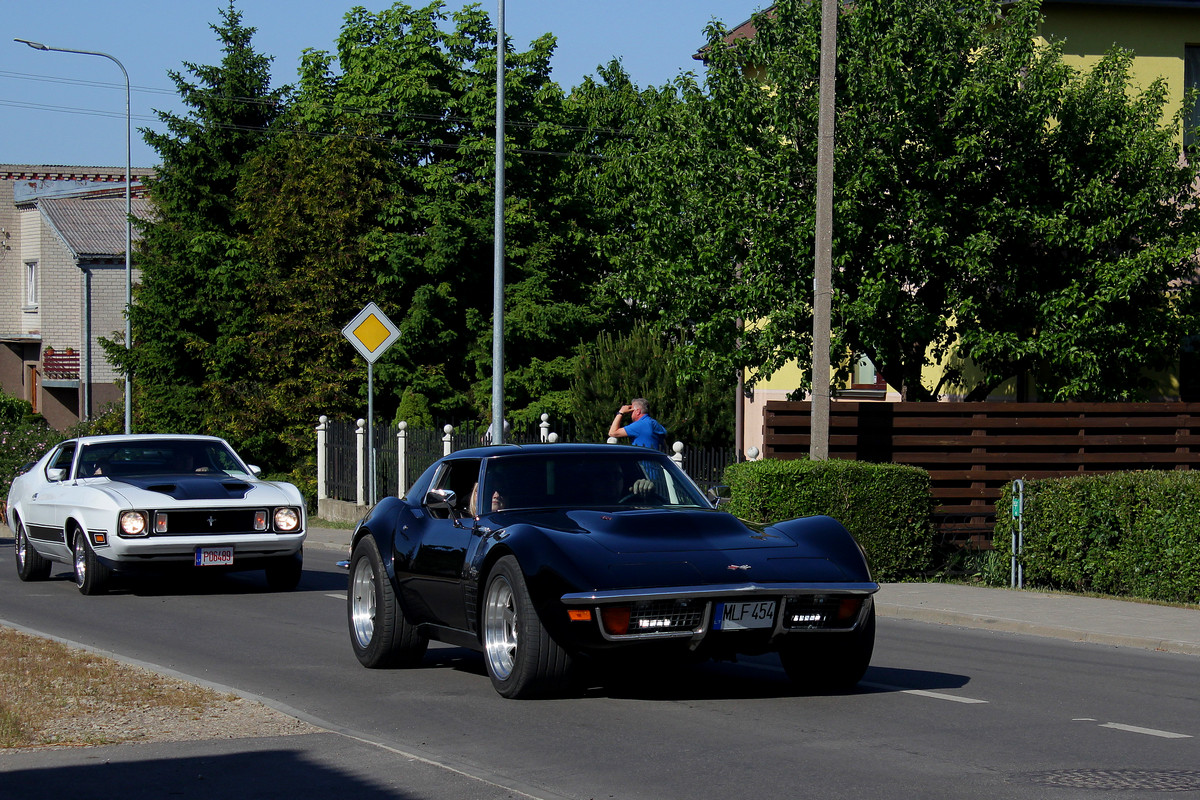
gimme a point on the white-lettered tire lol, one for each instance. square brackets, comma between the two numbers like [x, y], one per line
[91, 576]
[379, 633]
[284, 573]
[522, 659]
[830, 662]
[31, 566]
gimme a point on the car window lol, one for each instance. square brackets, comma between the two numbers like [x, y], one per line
[62, 459]
[460, 476]
[587, 481]
[154, 457]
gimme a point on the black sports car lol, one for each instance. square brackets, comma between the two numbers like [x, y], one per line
[542, 556]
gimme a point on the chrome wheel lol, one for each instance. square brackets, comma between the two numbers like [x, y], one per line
[362, 603]
[379, 632]
[501, 629]
[81, 561]
[91, 575]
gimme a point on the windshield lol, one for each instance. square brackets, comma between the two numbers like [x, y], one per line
[159, 457]
[579, 480]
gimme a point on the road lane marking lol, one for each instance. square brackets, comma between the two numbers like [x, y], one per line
[923, 693]
[341, 596]
[1147, 731]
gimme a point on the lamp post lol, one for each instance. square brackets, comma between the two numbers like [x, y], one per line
[128, 215]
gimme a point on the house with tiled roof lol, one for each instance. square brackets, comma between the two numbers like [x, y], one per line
[62, 284]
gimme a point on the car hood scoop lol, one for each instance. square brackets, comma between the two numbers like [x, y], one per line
[190, 487]
[675, 530]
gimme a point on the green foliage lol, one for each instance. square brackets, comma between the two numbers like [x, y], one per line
[991, 205]
[15, 413]
[611, 371]
[886, 507]
[190, 318]
[1127, 533]
[110, 420]
[21, 444]
[414, 410]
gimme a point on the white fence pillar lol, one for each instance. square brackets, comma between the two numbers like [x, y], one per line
[323, 458]
[447, 445]
[678, 457]
[545, 427]
[401, 458]
[360, 461]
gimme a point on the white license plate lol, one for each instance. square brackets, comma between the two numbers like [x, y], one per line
[214, 556]
[744, 615]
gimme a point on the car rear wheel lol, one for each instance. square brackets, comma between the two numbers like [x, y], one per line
[31, 566]
[379, 633]
[829, 662]
[284, 573]
[91, 576]
[522, 659]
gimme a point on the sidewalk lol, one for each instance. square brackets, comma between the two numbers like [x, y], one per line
[1122, 623]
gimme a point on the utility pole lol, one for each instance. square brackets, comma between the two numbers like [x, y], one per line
[818, 448]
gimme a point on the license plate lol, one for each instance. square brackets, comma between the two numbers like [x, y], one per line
[214, 556]
[744, 615]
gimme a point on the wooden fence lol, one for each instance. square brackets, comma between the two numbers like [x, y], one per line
[972, 450]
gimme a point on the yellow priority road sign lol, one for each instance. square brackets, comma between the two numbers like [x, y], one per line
[371, 333]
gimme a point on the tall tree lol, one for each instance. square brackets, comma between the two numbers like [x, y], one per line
[992, 206]
[187, 311]
[423, 92]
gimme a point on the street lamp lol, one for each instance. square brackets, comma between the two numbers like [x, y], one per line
[128, 216]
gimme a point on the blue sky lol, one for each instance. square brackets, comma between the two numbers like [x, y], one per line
[67, 109]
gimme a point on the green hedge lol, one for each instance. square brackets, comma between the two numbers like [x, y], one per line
[1135, 534]
[886, 507]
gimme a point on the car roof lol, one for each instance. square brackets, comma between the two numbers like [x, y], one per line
[491, 451]
[122, 438]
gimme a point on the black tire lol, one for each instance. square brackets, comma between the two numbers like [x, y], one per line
[379, 633]
[31, 566]
[522, 659]
[820, 663]
[283, 574]
[91, 576]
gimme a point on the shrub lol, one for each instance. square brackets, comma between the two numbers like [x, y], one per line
[21, 445]
[1126, 533]
[886, 507]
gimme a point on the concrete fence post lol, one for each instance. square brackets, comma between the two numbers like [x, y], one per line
[401, 458]
[360, 460]
[323, 458]
[447, 444]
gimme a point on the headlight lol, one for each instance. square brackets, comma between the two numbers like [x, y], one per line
[133, 523]
[286, 519]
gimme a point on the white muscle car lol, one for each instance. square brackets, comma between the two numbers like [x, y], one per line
[106, 504]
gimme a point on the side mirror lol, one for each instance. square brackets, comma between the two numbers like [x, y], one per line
[444, 499]
[55, 474]
[254, 470]
[720, 495]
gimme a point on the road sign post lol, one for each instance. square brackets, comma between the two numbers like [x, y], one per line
[371, 333]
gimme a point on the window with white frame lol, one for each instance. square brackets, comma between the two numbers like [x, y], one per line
[31, 295]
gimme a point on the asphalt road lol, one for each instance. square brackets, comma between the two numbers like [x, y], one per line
[944, 712]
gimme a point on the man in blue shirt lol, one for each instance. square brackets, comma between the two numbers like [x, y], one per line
[645, 430]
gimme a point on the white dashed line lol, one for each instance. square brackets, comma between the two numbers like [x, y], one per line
[923, 693]
[1147, 731]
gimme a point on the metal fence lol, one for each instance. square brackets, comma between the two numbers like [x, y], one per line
[423, 446]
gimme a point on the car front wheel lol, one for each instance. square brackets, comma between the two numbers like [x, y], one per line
[31, 566]
[379, 633]
[522, 659]
[91, 576]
